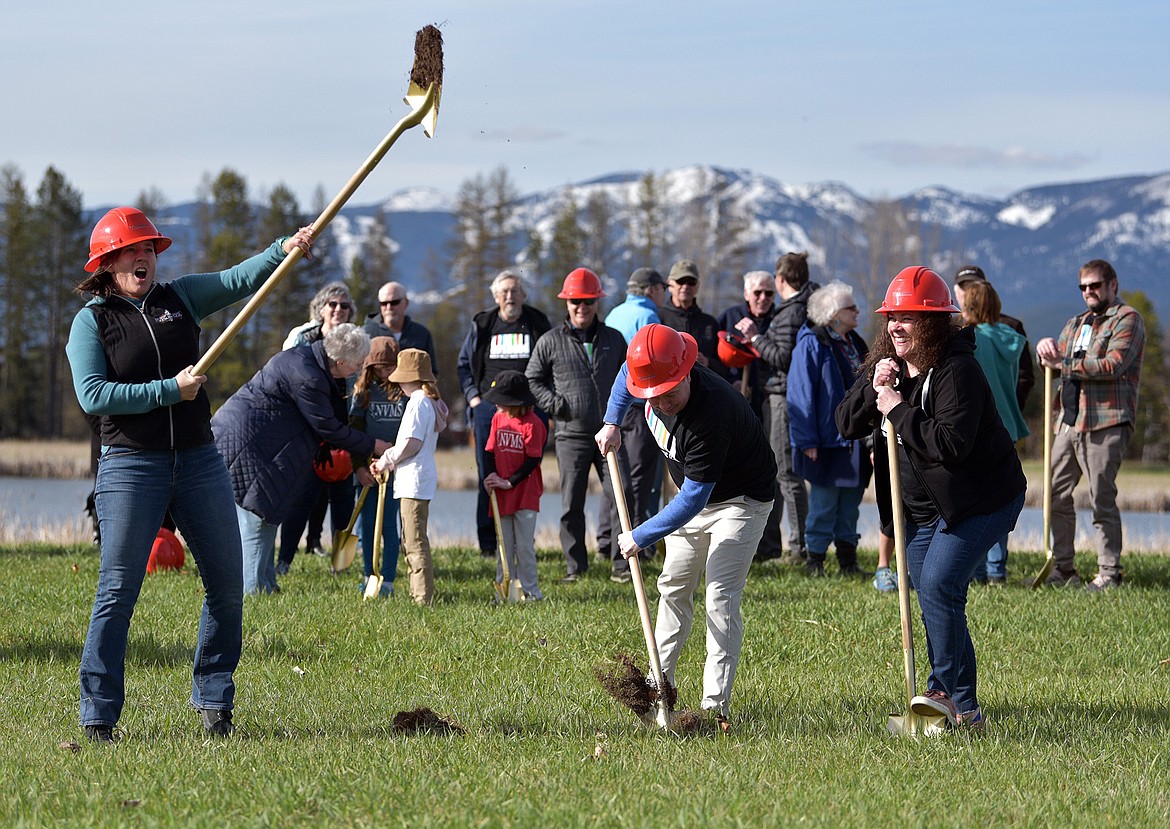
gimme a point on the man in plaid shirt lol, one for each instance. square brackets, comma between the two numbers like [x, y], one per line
[1099, 355]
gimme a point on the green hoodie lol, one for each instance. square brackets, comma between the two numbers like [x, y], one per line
[998, 348]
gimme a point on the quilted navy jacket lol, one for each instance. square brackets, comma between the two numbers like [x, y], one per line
[269, 430]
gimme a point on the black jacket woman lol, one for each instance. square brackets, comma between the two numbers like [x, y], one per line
[961, 480]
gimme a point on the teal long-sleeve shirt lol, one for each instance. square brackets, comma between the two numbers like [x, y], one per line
[202, 293]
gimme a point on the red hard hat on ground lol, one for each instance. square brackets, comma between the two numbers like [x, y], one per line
[918, 289]
[167, 552]
[658, 359]
[581, 283]
[339, 467]
[119, 228]
[733, 350]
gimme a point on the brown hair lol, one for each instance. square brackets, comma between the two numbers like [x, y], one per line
[932, 334]
[793, 269]
[1101, 268]
[980, 302]
[99, 283]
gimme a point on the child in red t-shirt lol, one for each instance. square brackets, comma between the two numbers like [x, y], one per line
[515, 446]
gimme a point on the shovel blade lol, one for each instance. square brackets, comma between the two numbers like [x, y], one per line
[916, 725]
[345, 545]
[416, 98]
[373, 587]
[501, 591]
[1045, 571]
[515, 591]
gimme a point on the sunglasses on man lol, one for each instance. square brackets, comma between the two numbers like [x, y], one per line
[585, 301]
[393, 303]
[686, 280]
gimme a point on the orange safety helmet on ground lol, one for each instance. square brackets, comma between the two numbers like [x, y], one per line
[119, 228]
[337, 468]
[658, 359]
[581, 283]
[918, 289]
[167, 552]
[733, 350]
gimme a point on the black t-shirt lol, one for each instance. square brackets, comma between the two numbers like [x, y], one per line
[509, 347]
[718, 439]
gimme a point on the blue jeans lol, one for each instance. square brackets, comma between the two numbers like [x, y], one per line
[994, 564]
[390, 540]
[833, 512]
[134, 490]
[481, 423]
[941, 562]
[258, 539]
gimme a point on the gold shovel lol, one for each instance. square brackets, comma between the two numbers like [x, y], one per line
[422, 96]
[1049, 556]
[509, 590]
[908, 724]
[345, 543]
[374, 582]
[661, 712]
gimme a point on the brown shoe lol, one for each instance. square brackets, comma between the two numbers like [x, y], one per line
[1059, 578]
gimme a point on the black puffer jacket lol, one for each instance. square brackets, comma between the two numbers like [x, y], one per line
[775, 345]
[570, 387]
[957, 445]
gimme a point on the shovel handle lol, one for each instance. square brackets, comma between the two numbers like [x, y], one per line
[903, 571]
[414, 118]
[357, 509]
[619, 497]
[500, 537]
[1047, 458]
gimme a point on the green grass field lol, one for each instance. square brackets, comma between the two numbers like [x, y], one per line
[1074, 687]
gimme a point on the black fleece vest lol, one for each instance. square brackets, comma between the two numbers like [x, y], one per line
[154, 343]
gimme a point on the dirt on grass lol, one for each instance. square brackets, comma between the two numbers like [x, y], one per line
[425, 720]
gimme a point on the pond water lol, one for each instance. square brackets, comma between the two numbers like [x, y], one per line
[32, 508]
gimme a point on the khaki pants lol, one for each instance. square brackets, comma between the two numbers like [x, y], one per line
[1097, 456]
[718, 543]
[420, 568]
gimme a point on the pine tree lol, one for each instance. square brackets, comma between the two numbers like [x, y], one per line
[647, 225]
[1151, 435]
[565, 251]
[286, 305]
[377, 259]
[61, 232]
[17, 383]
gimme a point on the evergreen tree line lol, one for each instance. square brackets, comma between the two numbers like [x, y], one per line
[44, 240]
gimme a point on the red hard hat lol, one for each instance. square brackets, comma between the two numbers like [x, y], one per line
[120, 228]
[918, 289]
[658, 359]
[581, 283]
[339, 468]
[167, 552]
[734, 351]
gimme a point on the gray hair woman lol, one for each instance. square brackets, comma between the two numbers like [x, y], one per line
[329, 307]
[269, 431]
[825, 362]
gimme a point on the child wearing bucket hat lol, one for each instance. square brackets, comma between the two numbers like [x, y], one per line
[412, 460]
[515, 446]
[377, 408]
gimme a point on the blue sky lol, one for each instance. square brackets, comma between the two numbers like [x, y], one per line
[886, 97]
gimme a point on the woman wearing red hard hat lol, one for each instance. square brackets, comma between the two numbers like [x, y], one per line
[961, 481]
[132, 349]
[719, 457]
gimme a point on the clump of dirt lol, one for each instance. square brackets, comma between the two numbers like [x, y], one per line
[428, 57]
[686, 722]
[424, 719]
[628, 684]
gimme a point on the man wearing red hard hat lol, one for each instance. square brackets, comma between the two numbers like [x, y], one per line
[718, 456]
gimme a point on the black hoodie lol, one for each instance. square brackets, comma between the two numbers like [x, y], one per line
[958, 447]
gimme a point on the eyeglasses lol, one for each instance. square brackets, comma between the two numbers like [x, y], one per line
[1091, 286]
[759, 294]
[393, 303]
[333, 303]
[686, 280]
[585, 301]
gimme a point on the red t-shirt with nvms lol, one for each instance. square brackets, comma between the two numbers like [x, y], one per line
[511, 440]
